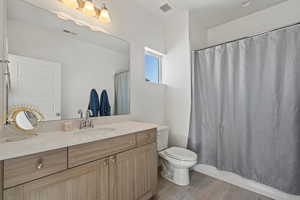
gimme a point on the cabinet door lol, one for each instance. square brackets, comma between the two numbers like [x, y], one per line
[145, 171]
[112, 178]
[103, 180]
[125, 175]
[87, 182]
[1, 180]
[136, 173]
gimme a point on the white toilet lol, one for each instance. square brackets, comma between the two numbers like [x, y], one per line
[175, 161]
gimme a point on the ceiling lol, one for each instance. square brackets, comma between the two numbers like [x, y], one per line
[210, 12]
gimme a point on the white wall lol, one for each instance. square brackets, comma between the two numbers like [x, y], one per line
[3, 15]
[140, 29]
[84, 65]
[198, 33]
[274, 17]
[176, 74]
[183, 34]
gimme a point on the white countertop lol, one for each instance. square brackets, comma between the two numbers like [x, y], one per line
[60, 139]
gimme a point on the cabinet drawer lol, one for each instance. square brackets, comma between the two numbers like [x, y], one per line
[28, 168]
[80, 183]
[84, 153]
[146, 137]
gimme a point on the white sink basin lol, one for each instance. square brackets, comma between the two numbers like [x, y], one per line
[20, 137]
[15, 138]
[94, 131]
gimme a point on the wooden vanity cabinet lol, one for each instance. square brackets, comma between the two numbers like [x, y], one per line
[128, 175]
[84, 153]
[145, 172]
[1, 180]
[125, 175]
[137, 173]
[87, 182]
[27, 168]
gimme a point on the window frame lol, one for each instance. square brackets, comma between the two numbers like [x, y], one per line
[159, 56]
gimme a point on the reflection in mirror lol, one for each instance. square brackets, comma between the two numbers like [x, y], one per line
[26, 120]
[60, 67]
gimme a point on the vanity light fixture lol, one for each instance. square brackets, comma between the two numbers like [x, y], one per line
[71, 3]
[104, 16]
[88, 8]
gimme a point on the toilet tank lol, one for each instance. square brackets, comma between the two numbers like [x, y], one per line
[162, 137]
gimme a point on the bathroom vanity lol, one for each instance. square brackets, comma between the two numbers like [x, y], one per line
[110, 162]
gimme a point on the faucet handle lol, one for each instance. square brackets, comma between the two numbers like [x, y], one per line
[88, 113]
[80, 113]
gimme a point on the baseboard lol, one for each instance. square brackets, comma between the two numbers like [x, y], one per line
[244, 183]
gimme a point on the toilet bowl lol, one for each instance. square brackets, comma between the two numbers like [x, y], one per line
[175, 161]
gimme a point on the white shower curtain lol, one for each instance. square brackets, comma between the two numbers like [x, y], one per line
[245, 114]
[122, 102]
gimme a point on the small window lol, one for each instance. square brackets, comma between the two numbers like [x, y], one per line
[152, 67]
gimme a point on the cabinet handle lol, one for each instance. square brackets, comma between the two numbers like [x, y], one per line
[112, 160]
[40, 164]
[4, 61]
[106, 162]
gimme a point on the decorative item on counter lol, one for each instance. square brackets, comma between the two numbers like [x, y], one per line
[25, 118]
[68, 126]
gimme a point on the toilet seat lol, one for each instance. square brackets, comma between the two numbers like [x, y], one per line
[181, 154]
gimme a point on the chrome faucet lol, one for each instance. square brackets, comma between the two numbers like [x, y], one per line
[80, 113]
[87, 122]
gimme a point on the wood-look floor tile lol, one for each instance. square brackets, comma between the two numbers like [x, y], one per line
[203, 187]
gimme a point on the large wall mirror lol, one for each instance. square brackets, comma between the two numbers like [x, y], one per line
[60, 68]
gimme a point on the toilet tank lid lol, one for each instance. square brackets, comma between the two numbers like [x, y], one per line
[181, 154]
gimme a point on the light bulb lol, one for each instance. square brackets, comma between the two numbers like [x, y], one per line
[89, 9]
[71, 3]
[104, 16]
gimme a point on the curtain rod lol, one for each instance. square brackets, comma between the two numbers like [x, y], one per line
[251, 36]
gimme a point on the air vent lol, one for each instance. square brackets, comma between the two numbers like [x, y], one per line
[166, 7]
[69, 32]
